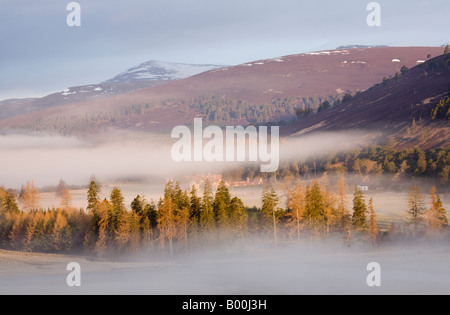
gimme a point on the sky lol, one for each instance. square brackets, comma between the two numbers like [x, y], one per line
[40, 53]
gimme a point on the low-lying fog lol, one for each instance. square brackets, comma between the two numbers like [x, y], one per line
[47, 159]
[305, 268]
[327, 267]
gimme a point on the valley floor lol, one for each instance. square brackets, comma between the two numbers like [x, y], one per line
[303, 268]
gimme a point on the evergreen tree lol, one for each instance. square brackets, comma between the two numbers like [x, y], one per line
[238, 217]
[93, 197]
[137, 205]
[9, 204]
[359, 217]
[117, 208]
[221, 206]
[90, 239]
[195, 205]
[315, 207]
[269, 209]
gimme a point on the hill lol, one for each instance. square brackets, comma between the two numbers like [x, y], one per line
[398, 107]
[257, 92]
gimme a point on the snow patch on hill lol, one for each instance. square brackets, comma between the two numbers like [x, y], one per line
[161, 70]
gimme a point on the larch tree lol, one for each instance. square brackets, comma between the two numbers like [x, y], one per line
[207, 220]
[167, 222]
[66, 200]
[416, 209]
[297, 204]
[101, 244]
[373, 228]
[436, 216]
[61, 234]
[343, 217]
[62, 186]
[30, 196]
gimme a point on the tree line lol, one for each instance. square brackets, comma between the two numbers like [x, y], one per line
[185, 220]
[365, 162]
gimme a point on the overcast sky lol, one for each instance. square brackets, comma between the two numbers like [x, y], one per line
[40, 53]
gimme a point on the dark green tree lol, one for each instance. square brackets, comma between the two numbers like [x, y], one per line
[359, 217]
[117, 208]
[269, 216]
[221, 206]
[315, 213]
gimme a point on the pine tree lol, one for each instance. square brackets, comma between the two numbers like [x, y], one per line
[195, 203]
[117, 208]
[359, 218]
[221, 206]
[137, 205]
[182, 223]
[238, 217]
[91, 238]
[315, 207]
[269, 209]
[373, 229]
[10, 204]
[93, 197]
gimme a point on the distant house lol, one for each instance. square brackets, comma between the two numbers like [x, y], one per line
[256, 182]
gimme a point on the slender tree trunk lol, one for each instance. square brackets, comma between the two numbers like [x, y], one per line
[275, 229]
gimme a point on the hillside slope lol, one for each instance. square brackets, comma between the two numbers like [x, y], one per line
[259, 89]
[390, 107]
